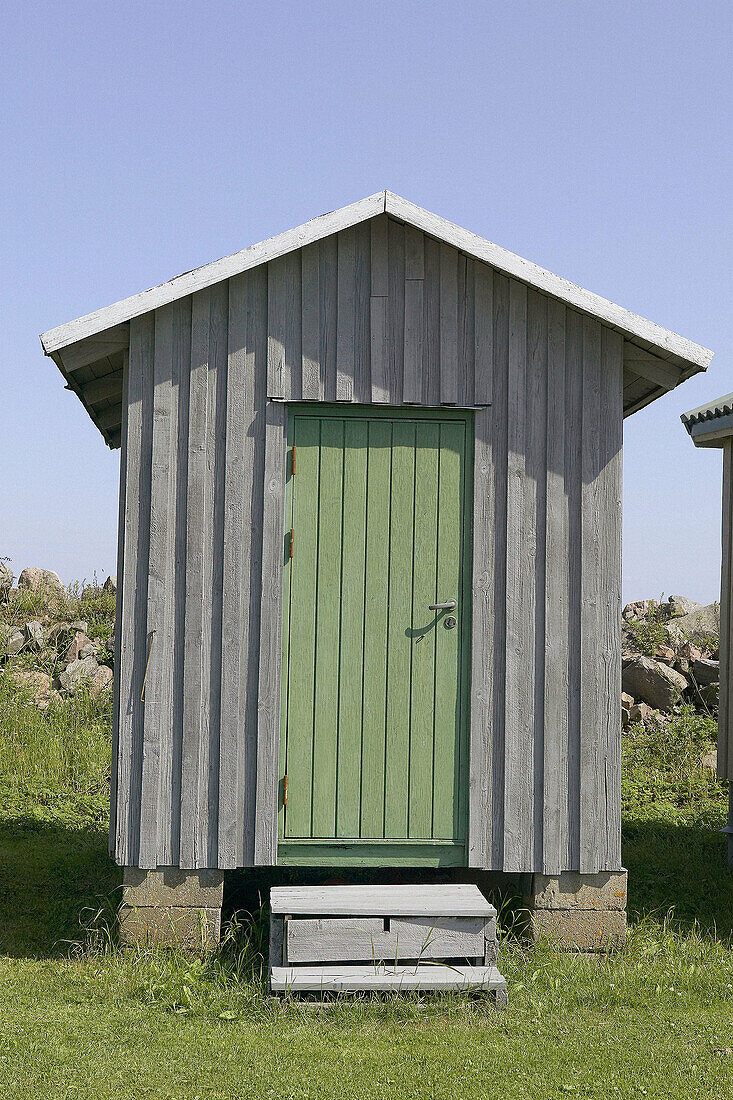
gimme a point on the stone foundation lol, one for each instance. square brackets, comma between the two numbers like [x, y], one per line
[578, 912]
[171, 908]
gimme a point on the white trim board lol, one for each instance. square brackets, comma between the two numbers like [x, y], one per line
[661, 340]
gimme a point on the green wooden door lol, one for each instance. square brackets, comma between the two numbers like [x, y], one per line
[373, 731]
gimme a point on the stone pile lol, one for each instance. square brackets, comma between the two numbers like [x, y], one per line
[50, 656]
[669, 656]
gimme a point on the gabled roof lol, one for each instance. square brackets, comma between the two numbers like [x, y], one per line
[710, 424]
[656, 359]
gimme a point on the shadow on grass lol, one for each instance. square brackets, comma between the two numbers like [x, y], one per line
[682, 868]
[53, 879]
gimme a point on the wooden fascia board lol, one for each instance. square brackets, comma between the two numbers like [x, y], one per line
[216, 272]
[630, 324]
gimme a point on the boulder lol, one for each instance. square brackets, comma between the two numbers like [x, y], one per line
[102, 679]
[78, 672]
[652, 682]
[640, 712]
[76, 645]
[33, 632]
[680, 605]
[6, 580]
[79, 624]
[664, 653]
[14, 643]
[689, 651]
[37, 683]
[627, 700]
[710, 760]
[110, 585]
[706, 671]
[638, 609]
[40, 580]
[703, 622]
[710, 695]
[89, 649]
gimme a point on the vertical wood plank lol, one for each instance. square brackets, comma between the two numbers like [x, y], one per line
[328, 617]
[284, 360]
[483, 281]
[310, 258]
[555, 763]
[592, 796]
[362, 308]
[158, 686]
[351, 649]
[375, 635]
[171, 772]
[414, 253]
[268, 724]
[426, 627]
[396, 310]
[535, 522]
[300, 762]
[118, 721]
[607, 844]
[431, 343]
[448, 325]
[345, 315]
[481, 771]
[574, 484]
[378, 306]
[466, 338]
[328, 316]
[725, 745]
[413, 355]
[519, 702]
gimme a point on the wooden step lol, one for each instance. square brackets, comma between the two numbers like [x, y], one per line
[445, 900]
[352, 979]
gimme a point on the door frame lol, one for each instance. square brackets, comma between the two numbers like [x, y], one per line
[388, 852]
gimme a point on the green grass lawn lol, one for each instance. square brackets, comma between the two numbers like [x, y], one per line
[78, 1018]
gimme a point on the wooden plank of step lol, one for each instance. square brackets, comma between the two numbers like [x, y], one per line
[353, 979]
[451, 900]
[360, 939]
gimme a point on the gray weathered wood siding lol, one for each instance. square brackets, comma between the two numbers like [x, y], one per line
[380, 314]
[725, 709]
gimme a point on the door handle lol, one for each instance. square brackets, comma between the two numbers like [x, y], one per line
[451, 605]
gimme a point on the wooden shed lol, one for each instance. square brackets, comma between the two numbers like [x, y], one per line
[711, 425]
[369, 552]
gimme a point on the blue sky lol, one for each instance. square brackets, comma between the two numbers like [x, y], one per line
[142, 139]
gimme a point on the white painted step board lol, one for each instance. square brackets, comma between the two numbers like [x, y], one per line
[415, 900]
[354, 979]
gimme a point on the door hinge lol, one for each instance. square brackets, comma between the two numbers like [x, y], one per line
[292, 542]
[285, 790]
[292, 461]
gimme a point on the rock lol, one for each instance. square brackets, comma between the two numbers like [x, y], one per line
[710, 695]
[6, 580]
[110, 585]
[664, 653]
[77, 644]
[15, 642]
[710, 760]
[627, 700]
[680, 605]
[40, 580]
[652, 682]
[689, 651]
[37, 683]
[706, 671]
[639, 609]
[78, 672]
[703, 622]
[102, 679]
[89, 649]
[34, 634]
[640, 712]
[79, 624]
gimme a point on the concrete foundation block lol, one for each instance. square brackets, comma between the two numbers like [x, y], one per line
[187, 927]
[593, 930]
[572, 890]
[171, 886]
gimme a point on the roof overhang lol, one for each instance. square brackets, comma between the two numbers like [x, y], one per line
[710, 425]
[89, 350]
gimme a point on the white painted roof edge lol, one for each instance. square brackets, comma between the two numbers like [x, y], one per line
[662, 341]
